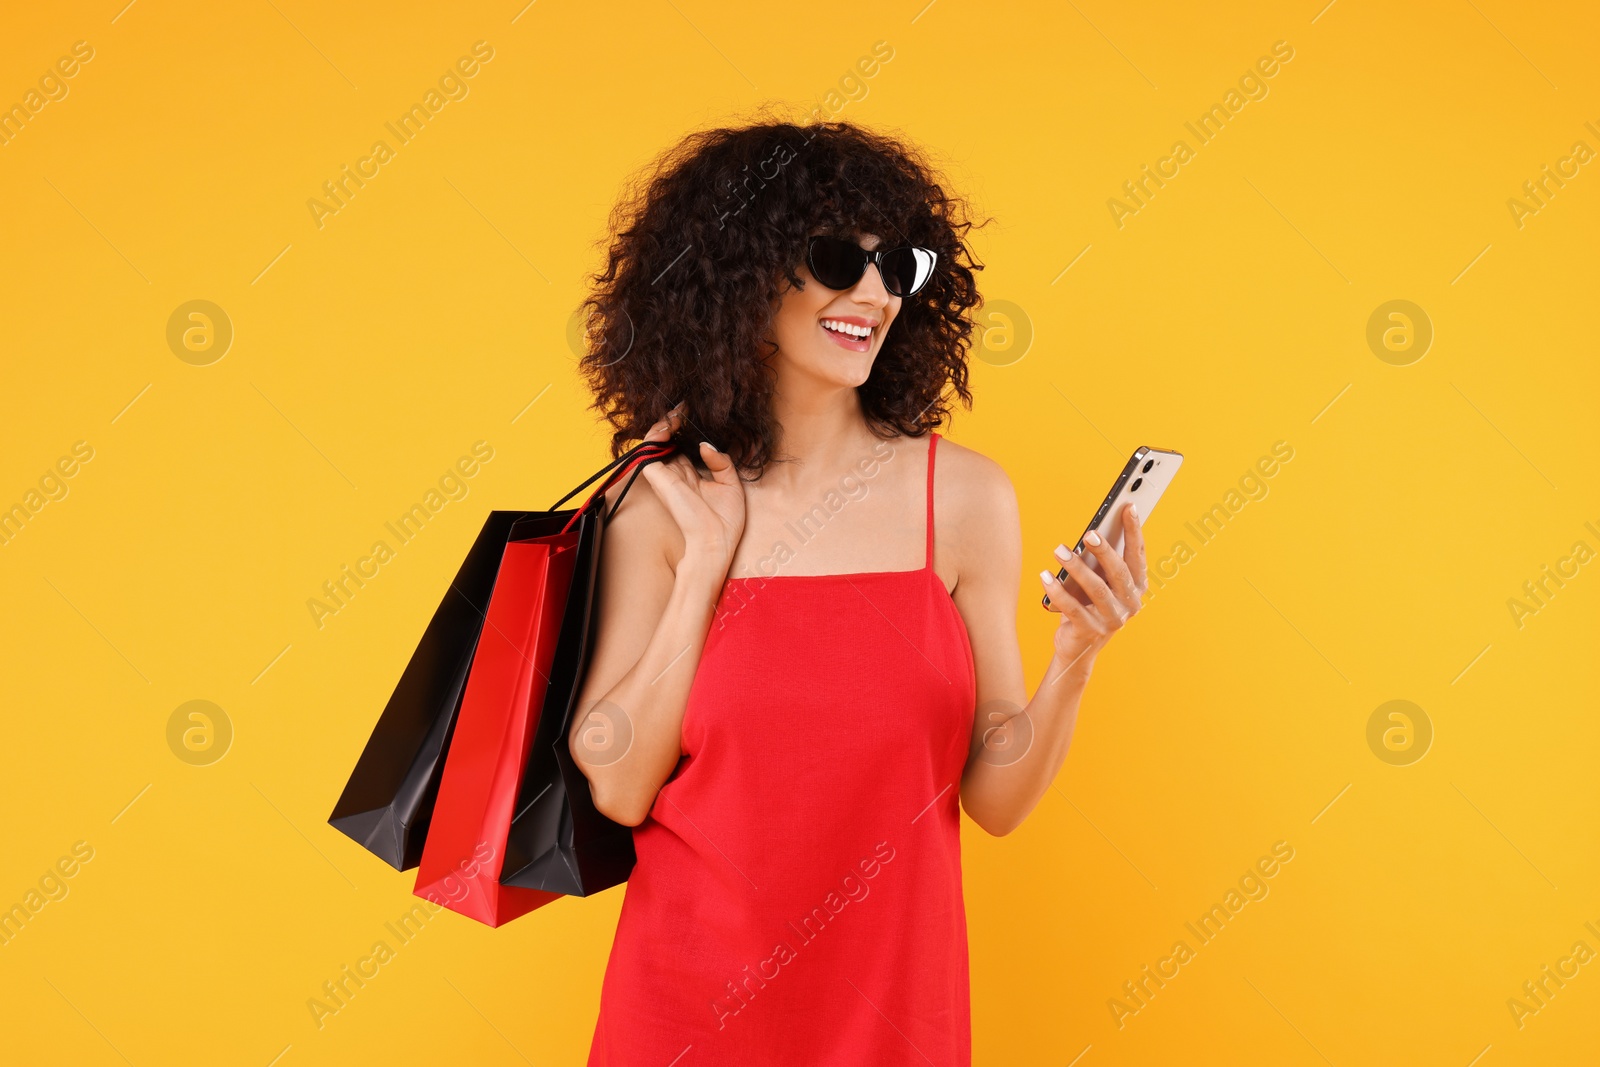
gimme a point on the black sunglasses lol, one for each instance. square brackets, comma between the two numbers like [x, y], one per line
[839, 264]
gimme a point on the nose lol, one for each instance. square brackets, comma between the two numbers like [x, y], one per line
[870, 289]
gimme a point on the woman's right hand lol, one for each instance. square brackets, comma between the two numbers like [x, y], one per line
[709, 511]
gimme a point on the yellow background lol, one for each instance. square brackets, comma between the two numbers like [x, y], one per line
[1227, 315]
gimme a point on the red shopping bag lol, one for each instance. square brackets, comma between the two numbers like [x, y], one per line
[465, 846]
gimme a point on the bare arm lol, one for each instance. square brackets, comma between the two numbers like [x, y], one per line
[662, 564]
[1018, 750]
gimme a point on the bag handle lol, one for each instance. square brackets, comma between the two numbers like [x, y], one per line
[630, 464]
[624, 458]
[638, 470]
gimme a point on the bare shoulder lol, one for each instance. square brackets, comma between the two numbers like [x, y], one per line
[977, 512]
[972, 484]
[642, 528]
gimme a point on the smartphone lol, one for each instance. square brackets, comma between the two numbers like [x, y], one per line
[1145, 477]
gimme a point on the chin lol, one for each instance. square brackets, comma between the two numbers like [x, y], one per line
[846, 375]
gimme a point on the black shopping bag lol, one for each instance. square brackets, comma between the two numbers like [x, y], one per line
[389, 799]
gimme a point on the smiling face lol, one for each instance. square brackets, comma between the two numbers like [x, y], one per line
[831, 336]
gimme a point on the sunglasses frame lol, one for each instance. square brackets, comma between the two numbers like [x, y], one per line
[870, 259]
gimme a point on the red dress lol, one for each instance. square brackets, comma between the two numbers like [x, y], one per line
[797, 898]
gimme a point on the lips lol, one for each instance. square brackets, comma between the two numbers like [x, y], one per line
[851, 333]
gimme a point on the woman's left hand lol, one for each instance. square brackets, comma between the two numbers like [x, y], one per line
[1087, 622]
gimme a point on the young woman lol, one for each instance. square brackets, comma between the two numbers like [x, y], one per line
[807, 662]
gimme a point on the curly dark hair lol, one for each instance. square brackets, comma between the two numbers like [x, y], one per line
[700, 247]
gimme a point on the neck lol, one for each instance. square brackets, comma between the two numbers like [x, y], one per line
[820, 427]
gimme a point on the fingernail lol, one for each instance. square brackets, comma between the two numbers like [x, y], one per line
[1046, 577]
[709, 445]
[1061, 552]
[1092, 538]
[1133, 509]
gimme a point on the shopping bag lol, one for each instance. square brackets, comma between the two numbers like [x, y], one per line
[462, 856]
[503, 709]
[558, 842]
[389, 798]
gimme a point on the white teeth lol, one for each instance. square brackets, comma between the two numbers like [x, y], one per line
[847, 328]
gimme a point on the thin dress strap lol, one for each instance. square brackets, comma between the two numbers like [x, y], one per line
[933, 441]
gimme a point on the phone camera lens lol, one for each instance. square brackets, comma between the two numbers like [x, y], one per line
[1137, 482]
[1147, 465]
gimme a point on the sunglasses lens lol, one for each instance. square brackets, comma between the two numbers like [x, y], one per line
[907, 270]
[835, 263]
